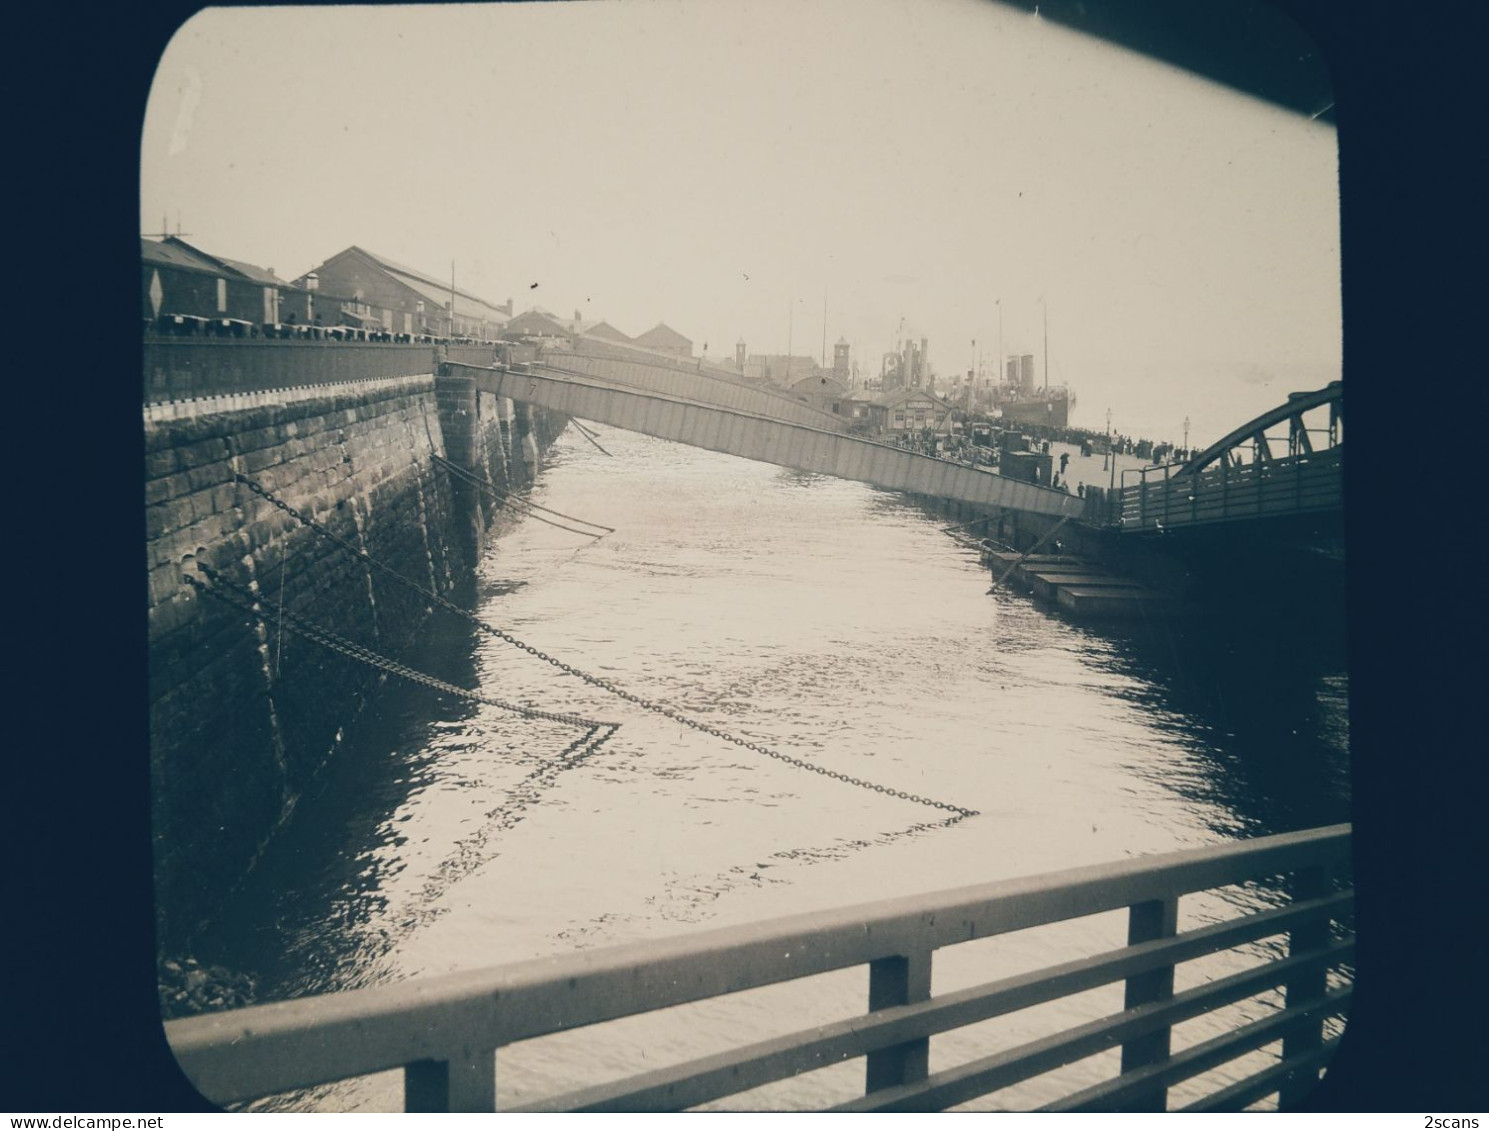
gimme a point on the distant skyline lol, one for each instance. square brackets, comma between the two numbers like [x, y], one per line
[727, 167]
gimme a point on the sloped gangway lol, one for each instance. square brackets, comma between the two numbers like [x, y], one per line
[720, 427]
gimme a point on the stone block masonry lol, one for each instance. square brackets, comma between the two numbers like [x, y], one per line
[241, 716]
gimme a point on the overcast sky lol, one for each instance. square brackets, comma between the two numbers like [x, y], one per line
[725, 165]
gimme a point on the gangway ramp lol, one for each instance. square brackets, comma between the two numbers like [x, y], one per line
[759, 437]
[678, 380]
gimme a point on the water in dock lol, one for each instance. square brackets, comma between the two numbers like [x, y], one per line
[818, 617]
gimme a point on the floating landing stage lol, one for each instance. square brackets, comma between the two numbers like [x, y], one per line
[1047, 586]
[1076, 586]
[1085, 601]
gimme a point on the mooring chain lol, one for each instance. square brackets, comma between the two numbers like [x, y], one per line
[505, 497]
[497, 493]
[705, 728]
[249, 603]
[597, 681]
[577, 752]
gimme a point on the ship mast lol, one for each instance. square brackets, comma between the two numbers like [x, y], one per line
[790, 326]
[1046, 310]
[1002, 357]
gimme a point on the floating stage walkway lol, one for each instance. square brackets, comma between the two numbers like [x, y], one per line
[1076, 586]
[721, 428]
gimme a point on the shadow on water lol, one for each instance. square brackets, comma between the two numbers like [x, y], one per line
[1258, 693]
[272, 928]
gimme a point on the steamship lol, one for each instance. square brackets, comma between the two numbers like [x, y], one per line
[1018, 401]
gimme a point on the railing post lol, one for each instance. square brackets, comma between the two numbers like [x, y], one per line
[1156, 919]
[1308, 1034]
[899, 980]
[467, 1084]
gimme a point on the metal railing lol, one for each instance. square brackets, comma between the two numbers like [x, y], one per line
[483, 353]
[445, 1032]
[1166, 496]
[178, 370]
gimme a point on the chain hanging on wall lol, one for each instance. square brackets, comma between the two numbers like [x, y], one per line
[594, 680]
[246, 601]
[525, 507]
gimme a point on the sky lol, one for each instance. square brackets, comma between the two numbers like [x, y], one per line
[952, 169]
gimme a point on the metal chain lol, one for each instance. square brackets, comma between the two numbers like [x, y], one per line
[248, 602]
[507, 498]
[578, 751]
[597, 681]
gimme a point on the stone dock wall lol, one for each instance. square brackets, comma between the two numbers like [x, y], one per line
[242, 714]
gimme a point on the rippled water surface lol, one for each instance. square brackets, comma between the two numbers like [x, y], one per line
[818, 617]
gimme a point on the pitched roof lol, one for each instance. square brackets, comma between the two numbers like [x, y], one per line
[605, 330]
[263, 275]
[537, 320]
[813, 382]
[385, 262]
[664, 336]
[895, 396]
[466, 304]
[177, 254]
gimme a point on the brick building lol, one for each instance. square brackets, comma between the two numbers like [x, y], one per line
[604, 331]
[359, 288]
[665, 339]
[781, 369]
[537, 323]
[824, 392]
[179, 279]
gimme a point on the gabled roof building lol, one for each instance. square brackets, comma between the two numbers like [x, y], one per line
[823, 391]
[536, 323]
[607, 332]
[665, 339]
[179, 280]
[910, 410]
[359, 287]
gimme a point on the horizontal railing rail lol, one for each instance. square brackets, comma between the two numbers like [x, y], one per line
[596, 347]
[179, 370]
[445, 1032]
[484, 353]
[695, 384]
[770, 439]
[1168, 497]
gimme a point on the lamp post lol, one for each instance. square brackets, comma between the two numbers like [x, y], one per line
[1106, 457]
[1186, 437]
[1112, 481]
